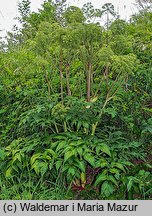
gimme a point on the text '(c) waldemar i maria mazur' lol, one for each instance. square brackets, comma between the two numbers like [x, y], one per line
[77, 207]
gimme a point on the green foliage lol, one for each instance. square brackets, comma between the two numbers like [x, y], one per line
[75, 105]
[24, 10]
[122, 45]
[73, 15]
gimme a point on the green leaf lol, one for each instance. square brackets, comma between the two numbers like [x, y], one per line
[85, 125]
[128, 163]
[55, 144]
[130, 184]
[51, 164]
[147, 129]
[118, 165]
[35, 157]
[68, 154]
[111, 112]
[60, 137]
[61, 145]
[80, 151]
[104, 148]
[51, 152]
[16, 168]
[8, 173]
[35, 166]
[114, 170]
[71, 171]
[112, 179]
[107, 189]
[40, 167]
[76, 143]
[81, 165]
[98, 149]
[67, 166]
[2, 111]
[90, 159]
[17, 156]
[2, 154]
[58, 164]
[100, 178]
[103, 164]
[44, 168]
[78, 125]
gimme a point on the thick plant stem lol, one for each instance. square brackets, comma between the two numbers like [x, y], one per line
[65, 126]
[107, 37]
[89, 82]
[94, 126]
[106, 77]
[67, 80]
[48, 84]
[108, 98]
[56, 127]
[61, 75]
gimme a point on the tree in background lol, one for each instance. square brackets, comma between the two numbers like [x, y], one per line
[144, 4]
[24, 11]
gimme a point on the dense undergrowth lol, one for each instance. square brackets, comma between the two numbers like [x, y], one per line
[75, 106]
